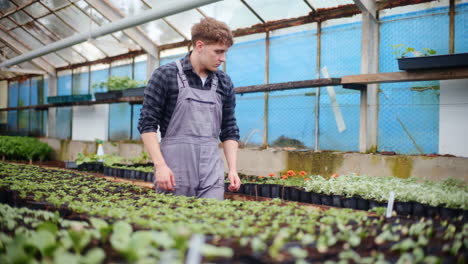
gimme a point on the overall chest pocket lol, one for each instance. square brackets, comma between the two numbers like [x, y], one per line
[201, 115]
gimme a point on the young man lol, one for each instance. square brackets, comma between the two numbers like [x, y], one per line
[193, 103]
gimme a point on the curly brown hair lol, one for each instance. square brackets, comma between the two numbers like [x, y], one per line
[212, 31]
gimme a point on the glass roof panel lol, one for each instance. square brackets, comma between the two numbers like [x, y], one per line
[90, 11]
[20, 17]
[111, 46]
[185, 20]
[160, 32]
[55, 25]
[37, 10]
[89, 51]
[119, 35]
[232, 12]
[129, 8]
[328, 3]
[40, 32]
[77, 19]
[55, 4]
[6, 6]
[9, 53]
[71, 55]
[279, 9]
[21, 2]
[6, 22]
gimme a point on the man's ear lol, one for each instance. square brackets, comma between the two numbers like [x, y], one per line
[199, 44]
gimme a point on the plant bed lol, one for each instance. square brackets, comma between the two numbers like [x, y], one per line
[269, 232]
[433, 62]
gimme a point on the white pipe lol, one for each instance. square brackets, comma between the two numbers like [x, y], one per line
[144, 17]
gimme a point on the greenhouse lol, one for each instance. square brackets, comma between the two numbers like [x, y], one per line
[233, 131]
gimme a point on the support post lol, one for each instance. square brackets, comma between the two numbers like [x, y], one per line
[317, 90]
[267, 77]
[51, 113]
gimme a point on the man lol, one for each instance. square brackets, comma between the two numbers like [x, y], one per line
[193, 103]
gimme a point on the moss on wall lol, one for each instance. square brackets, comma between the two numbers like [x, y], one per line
[323, 163]
[64, 149]
[401, 166]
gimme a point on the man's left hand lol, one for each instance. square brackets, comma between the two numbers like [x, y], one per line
[234, 180]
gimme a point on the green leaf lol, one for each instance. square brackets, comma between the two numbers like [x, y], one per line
[93, 256]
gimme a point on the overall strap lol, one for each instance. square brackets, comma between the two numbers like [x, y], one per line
[182, 75]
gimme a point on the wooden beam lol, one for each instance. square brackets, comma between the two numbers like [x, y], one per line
[409, 76]
[288, 85]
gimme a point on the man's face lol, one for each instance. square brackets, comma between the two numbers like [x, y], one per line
[212, 55]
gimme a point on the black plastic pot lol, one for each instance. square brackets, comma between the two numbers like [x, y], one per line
[264, 190]
[448, 213]
[349, 202]
[433, 62]
[285, 192]
[403, 208]
[336, 201]
[133, 92]
[226, 185]
[70, 165]
[373, 204]
[305, 196]
[326, 199]
[294, 194]
[3, 197]
[275, 190]
[362, 204]
[315, 198]
[247, 188]
[432, 211]
[150, 177]
[418, 209]
[108, 95]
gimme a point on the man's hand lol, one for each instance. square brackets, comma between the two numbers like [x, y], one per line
[164, 178]
[234, 181]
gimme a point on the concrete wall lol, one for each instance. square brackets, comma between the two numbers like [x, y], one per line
[263, 162]
[453, 117]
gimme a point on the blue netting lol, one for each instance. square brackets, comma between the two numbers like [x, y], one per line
[461, 28]
[140, 71]
[81, 83]
[12, 122]
[13, 93]
[121, 70]
[409, 112]
[63, 122]
[23, 122]
[291, 114]
[170, 59]
[24, 91]
[249, 115]
[36, 90]
[136, 115]
[245, 63]
[293, 56]
[98, 77]
[64, 85]
[119, 120]
[35, 125]
[341, 55]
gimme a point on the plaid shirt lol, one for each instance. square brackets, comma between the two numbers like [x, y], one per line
[161, 93]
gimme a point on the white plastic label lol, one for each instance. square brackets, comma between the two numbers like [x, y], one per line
[391, 198]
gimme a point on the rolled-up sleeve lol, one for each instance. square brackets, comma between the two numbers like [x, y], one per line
[229, 128]
[154, 99]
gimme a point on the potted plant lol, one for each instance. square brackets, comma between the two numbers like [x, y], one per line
[426, 59]
[115, 86]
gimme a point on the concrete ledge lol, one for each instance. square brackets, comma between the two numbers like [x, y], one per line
[263, 162]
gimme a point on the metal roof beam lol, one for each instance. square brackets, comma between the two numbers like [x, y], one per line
[367, 6]
[18, 47]
[134, 34]
[22, 71]
[146, 16]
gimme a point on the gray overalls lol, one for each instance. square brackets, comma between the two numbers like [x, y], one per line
[190, 146]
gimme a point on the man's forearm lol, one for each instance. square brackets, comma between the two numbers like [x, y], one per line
[230, 152]
[150, 140]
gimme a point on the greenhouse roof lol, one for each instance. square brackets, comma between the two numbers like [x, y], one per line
[29, 25]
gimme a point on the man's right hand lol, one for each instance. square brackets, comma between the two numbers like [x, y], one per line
[164, 178]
